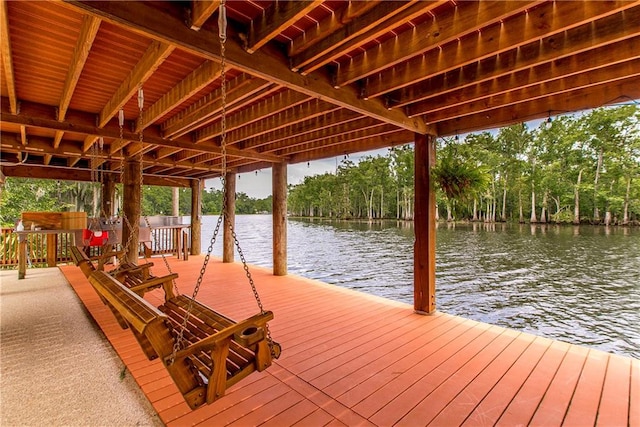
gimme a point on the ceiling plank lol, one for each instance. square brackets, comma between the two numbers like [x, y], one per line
[39, 116]
[278, 16]
[577, 100]
[200, 11]
[612, 29]
[566, 68]
[155, 55]
[467, 17]
[185, 89]
[88, 32]
[543, 21]
[378, 21]
[267, 63]
[7, 58]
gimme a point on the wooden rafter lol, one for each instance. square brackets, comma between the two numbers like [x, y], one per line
[309, 111]
[276, 17]
[155, 55]
[377, 21]
[185, 89]
[88, 32]
[323, 124]
[524, 28]
[267, 107]
[7, 58]
[529, 93]
[575, 100]
[338, 19]
[239, 90]
[34, 115]
[268, 64]
[598, 65]
[609, 32]
[200, 11]
[465, 18]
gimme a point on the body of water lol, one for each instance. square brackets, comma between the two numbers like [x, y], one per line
[576, 284]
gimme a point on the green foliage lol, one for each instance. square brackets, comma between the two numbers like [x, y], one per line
[458, 178]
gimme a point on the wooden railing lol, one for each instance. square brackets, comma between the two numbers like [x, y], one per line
[45, 249]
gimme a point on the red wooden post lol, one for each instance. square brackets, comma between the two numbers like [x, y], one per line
[424, 250]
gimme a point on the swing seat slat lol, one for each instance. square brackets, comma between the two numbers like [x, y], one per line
[210, 360]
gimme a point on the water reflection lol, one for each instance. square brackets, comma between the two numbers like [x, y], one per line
[577, 284]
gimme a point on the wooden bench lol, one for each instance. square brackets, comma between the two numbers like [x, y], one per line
[215, 353]
[136, 277]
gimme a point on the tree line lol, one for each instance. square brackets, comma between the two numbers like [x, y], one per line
[572, 169]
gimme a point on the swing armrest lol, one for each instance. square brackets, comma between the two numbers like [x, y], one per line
[165, 281]
[124, 269]
[212, 341]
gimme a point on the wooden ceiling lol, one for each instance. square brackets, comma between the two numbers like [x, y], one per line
[304, 79]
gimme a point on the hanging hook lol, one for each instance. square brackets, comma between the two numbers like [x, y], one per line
[121, 117]
[140, 98]
[222, 21]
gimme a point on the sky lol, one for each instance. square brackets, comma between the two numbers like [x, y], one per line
[258, 185]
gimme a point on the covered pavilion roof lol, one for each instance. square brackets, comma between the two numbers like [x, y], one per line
[305, 79]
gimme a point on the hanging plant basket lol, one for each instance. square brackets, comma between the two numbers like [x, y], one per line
[457, 179]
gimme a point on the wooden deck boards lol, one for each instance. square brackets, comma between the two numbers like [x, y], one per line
[354, 359]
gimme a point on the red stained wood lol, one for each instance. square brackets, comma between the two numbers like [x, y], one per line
[355, 359]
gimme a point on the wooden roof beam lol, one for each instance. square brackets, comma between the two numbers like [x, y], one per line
[153, 57]
[570, 69]
[37, 115]
[265, 108]
[525, 28]
[465, 18]
[7, 58]
[308, 111]
[267, 63]
[277, 17]
[338, 19]
[561, 84]
[75, 174]
[88, 32]
[200, 11]
[348, 139]
[185, 89]
[326, 121]
[358, 129]
[555, 48]
[575, 100]
[378, 21]
[240, 90]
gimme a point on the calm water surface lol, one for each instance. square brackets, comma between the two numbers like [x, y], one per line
[576, 284]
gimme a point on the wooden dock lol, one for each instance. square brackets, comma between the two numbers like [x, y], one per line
[354, 359]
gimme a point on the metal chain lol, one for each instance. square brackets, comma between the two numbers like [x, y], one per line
[222, 22]
[122, 157]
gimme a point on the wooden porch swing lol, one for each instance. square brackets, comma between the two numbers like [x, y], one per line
[204, 351]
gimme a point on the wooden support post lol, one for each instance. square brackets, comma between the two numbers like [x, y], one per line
[230, 216]
[132, 202]
[279, 188]
[52, 250]
[22, 255]
[424, 249]
[196, 216]
[175, 201]
[108, 196]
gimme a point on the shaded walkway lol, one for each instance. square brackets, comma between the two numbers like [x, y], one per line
[57, 368]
